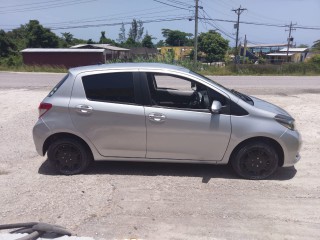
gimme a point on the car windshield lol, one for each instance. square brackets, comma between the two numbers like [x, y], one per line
[244, 97]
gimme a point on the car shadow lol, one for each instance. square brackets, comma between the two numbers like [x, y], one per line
[204, 171]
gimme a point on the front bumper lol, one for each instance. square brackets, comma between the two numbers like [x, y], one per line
[291, 141]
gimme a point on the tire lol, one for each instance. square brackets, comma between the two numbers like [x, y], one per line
[255, 160]
[69, 156]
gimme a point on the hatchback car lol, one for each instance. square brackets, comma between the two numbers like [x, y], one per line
[160, 113]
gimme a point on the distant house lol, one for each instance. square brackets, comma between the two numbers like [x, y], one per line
[143, 52]
[288, 55]
[180, 53]
[260, 50]
[65, 57]
[112, 52]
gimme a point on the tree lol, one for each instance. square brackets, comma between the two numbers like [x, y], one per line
[160, 43]
[40, 37]
[140, 31]
[6, 45]
[165, 32]
[147, 41]
[316, 45]
[131, 43]
[122, 35]
[213, 45]
[176, 37]
[136, 30]
[67, 39]
[103, 38]
[19, 37]
[133, 31]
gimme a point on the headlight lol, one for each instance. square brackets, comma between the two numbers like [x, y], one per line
[285, 121]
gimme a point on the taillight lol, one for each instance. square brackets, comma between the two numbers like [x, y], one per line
[43, 108]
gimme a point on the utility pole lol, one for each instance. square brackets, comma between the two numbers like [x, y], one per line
[245, 49]
[196, 17]
[290, 39]
[238, 11]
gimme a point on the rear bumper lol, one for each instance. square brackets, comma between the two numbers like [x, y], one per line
[40, 134]
[292, 141]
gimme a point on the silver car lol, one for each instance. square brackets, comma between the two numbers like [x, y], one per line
[161, 113]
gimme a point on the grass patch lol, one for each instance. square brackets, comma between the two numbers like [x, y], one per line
[36, 68]
[292, 69]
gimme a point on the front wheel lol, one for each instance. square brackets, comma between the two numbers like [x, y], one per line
[255, 160]
[69, 156]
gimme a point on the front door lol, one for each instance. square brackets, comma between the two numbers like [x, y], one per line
[179, 123]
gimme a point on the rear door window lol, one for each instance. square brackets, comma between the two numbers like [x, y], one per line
[110, 87]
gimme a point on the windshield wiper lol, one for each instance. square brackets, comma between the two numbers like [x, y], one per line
[243, 96]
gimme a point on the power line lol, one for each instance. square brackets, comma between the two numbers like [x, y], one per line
[307, 28]
[181, 3]
[263, 24]
[103, 18]
[29, 4]
[120, 23]
[49, 6]
[245, 22]
[115, 18]
[171, 5]
[146, 19]
[115, 14]
[204, 23]
[214, 9]
[217, 27]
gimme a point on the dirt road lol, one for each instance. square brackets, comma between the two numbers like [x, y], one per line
[159, 201]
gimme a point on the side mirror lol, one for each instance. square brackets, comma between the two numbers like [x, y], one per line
[215, 107]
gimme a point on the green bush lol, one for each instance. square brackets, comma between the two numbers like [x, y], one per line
[315, 59]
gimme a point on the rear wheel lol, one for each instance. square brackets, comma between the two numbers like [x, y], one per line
[69, 156]
[255, 160]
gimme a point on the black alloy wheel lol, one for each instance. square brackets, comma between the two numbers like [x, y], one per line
[255, 160]
[69, 156]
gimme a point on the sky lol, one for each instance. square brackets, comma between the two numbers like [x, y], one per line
[87, 18]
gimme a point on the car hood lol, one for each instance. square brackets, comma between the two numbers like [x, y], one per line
[264, 105]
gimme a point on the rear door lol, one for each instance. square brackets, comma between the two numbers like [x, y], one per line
[106, 108]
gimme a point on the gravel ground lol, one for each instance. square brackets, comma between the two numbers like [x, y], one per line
[159, 201]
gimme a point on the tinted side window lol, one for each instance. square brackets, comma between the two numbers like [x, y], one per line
[110, 87]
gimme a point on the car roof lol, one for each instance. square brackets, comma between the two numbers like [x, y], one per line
[127, 66]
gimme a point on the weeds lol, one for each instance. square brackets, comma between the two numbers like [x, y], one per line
[299, 69]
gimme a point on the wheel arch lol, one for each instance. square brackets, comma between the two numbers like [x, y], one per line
[267, 140]
[60, 135]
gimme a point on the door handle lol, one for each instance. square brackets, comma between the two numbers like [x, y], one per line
[84, 109]
[157, 117]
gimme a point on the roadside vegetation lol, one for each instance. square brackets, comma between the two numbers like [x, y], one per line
[310, 68]
[212, 48]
